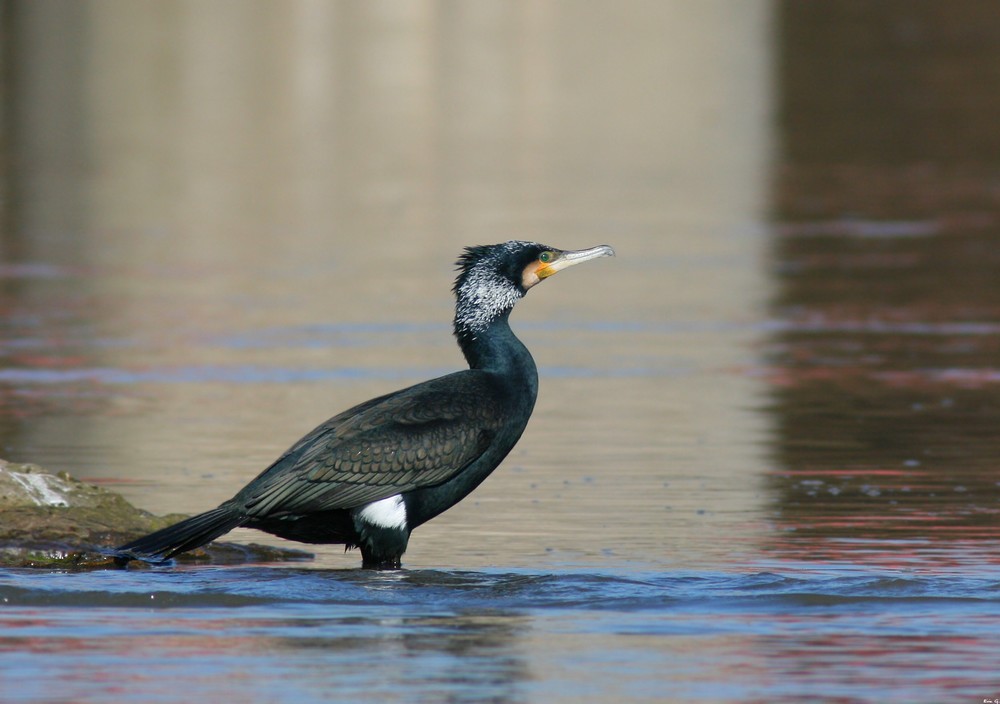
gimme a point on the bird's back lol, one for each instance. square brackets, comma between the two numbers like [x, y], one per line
[417, 437]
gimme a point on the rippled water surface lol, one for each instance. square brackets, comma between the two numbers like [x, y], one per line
[286, 634]
[763, 465]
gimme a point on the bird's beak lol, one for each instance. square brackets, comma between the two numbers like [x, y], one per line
[564, 260]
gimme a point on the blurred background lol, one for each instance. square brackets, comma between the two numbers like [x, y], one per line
[225, 221]
[763, 462]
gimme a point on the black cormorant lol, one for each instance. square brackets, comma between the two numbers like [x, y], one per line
[367, 477]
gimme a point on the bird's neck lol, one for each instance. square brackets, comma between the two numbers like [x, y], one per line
[496, 349]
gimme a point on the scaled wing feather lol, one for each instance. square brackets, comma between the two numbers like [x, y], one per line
[421, 436]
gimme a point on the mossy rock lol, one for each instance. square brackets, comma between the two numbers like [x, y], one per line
[54, 520]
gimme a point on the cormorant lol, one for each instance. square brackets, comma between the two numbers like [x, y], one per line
[367, 477]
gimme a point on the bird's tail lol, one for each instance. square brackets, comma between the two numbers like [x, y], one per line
[187, 535]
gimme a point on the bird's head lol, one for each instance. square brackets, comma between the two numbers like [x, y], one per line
[491, 278]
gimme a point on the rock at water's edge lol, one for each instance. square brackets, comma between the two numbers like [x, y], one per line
[55, 520]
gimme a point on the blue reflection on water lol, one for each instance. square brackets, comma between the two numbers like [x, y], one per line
[291, 634]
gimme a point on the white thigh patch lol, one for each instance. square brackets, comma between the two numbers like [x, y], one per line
[387, 513]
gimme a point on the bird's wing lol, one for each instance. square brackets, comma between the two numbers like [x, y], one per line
[420, 436]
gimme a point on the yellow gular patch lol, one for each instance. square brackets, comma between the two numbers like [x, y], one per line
[532, 274]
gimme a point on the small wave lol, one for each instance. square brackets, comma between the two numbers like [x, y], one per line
[451, 590]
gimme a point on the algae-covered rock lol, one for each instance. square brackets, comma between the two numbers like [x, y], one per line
[54, 520]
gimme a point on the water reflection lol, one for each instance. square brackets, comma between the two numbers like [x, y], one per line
[232, 220]
[447, 656]
[285, 634]
[885, 377]
[266, 206]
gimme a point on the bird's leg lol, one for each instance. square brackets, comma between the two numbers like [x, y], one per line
[381, 547]
[372, 561]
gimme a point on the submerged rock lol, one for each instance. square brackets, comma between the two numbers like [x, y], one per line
[55, 520]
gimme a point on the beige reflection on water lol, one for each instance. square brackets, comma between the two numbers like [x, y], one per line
[216, 169]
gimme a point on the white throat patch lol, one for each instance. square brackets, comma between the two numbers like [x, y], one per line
[387, 513]
[482, 298]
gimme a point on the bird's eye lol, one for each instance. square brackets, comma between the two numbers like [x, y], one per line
[545, 257]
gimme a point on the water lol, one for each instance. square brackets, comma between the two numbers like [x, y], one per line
[762, 466]
[286, 634]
